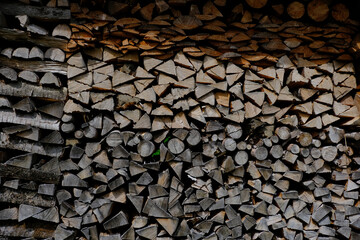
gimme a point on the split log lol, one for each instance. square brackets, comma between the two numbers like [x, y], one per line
[62, 30]
[9, 73]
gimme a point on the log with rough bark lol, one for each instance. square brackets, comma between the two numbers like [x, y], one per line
[37, 66]
[32, 174]
[42, 13]
[21, 36]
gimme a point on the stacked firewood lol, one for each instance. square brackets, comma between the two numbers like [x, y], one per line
[247, 33]
[180, 120]
[191, 144]
[32, 96]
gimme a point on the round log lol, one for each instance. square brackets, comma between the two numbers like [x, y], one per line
[241, 145]
[305, 139]
[256, 3]
[79, 134]
[241, 158]
[340, 12]
[147, 136]
[229, 144]
[318, 10]
[193, 138]
[274, 138]
[315, 153]
[283, 133]
[276, 151]
[176, 146]
[145, 148]
[293, 148]
[260, 153]
[305, 152]
[329, 153]
[296, 10]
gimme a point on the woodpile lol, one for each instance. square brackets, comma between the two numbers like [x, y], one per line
[179, 120]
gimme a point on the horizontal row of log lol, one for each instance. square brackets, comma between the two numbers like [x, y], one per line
[234, 33]
[322, 93]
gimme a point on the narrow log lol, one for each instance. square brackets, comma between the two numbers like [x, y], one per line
[25, 231]
[33, 120]
[28, 174]
[32, 147]
[36, 66]
[26, 197]
[41, 13]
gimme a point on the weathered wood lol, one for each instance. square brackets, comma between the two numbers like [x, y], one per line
[55, 54]
[40, 40]
[62, 30]
[176, 146]
[9, 214]
[36, 52]
[36, 66]
[260, 153]
[26, 197]
[29, 76]
[241, 158]
[21, 52]
[146, 148]
[28, 146]
[28, 174]
[33, 120]
[8, 73]
[24, 231]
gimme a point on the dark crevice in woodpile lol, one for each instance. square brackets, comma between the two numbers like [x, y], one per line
[179, 119]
